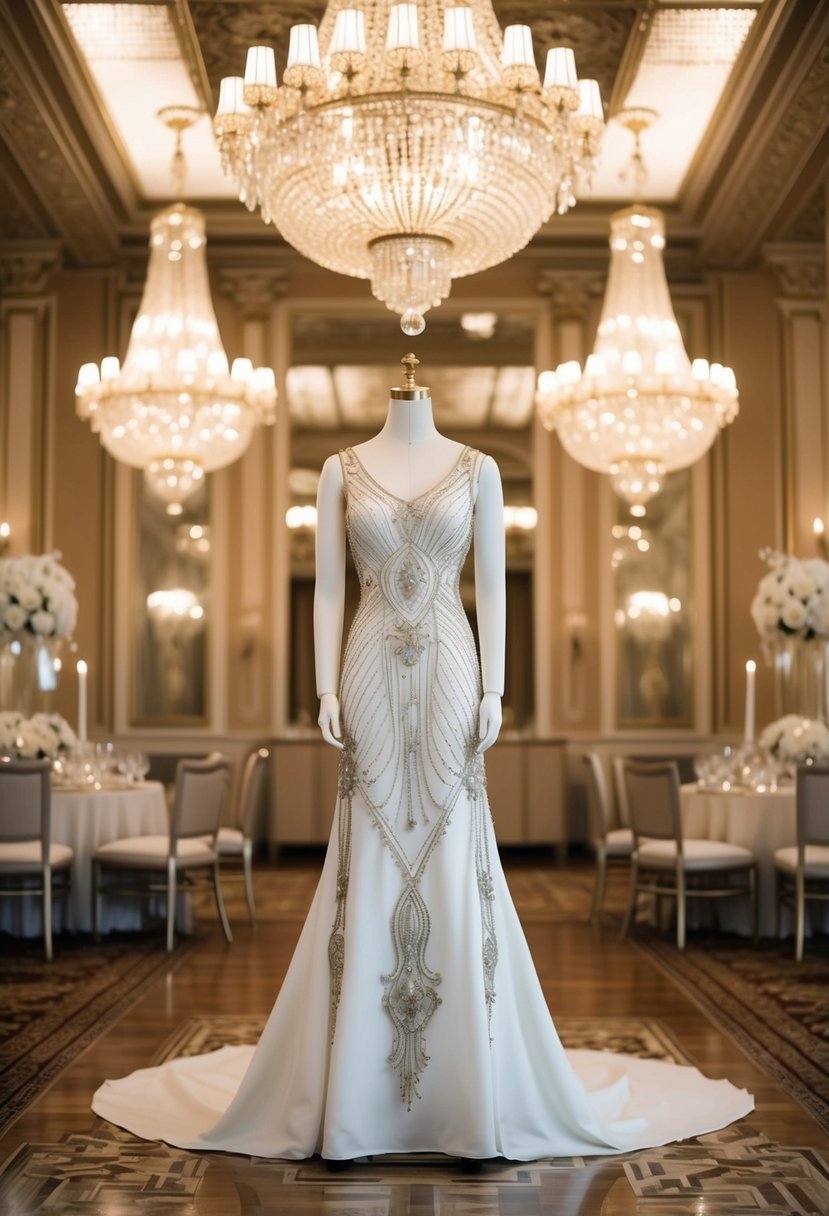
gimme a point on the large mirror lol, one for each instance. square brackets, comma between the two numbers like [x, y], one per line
[653, 609]
[480, 369]
[170, 599]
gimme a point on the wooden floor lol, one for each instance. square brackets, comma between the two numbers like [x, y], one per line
[583, 976]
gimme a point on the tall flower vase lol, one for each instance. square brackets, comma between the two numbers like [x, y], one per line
[28, 677]
[801, 677]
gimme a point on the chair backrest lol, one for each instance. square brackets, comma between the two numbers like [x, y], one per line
[26, 801]
[652, 790]
[598, 798]
[617, 765]
[250, 793]
[812, 792]
[201, 790]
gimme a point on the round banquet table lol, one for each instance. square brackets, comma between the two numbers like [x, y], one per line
[86, 819]
[760, 822]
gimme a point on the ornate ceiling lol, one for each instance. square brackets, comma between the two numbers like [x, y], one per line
[68, 187]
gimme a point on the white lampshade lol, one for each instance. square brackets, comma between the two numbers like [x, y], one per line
[518, 47]
[458, 29]
[303, 49]
[349, 36]
[260, 67]
[231, 96]
[560, 72]
[110, 367]
[403, 32]
[241, 369]
[590, 100]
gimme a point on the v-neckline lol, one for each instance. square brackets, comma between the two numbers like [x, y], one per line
[410, 501]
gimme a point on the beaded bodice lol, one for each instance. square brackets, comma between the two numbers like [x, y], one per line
[411, 684]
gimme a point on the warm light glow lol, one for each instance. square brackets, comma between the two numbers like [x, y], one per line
[640, 409]
[172, 409]
[81, 667]
[751, 665]
[479, 324]
[817, 526]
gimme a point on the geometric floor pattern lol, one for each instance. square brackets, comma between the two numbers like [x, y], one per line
[107, 1171]
[730, 1173]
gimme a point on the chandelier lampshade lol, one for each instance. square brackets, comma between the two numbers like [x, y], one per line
[639, 408]
[409, 144]
[175, 408]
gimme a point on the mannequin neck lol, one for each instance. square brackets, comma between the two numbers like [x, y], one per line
[410, 421]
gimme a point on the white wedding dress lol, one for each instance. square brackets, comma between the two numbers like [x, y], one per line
[411, 1018]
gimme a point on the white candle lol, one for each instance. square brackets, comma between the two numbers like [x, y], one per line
[82, 676]
[751, 677]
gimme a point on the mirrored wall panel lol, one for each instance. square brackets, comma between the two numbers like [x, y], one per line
[653, 609]
[171, 609]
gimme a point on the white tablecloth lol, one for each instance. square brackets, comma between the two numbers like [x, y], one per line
[762, 823]
[86, 820]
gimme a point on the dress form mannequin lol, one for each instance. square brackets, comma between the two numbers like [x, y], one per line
[407, 457]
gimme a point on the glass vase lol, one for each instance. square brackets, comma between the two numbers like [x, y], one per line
[28, 676]
[801, 672]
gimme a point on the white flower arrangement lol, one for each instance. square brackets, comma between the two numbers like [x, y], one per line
[37, 596]
[793, 739]
[43, 736]
[792, 600]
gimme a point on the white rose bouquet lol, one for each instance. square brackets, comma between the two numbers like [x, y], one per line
[37, 596]
[10, 721]
[792, 600]
[43, 736]
[796, 740]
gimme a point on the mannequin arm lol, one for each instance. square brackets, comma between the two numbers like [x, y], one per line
[329, 596]
[490, 597]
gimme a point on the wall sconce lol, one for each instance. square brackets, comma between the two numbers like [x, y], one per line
[5, 537]
[820, 536]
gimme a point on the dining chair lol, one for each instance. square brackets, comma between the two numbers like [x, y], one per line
[173, 862]
[663, 862]
[236, 843]
[801, 871]
[611, 844]
[617, 766]
[26, 848]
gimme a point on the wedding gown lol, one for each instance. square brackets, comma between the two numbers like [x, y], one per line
[411, 1018]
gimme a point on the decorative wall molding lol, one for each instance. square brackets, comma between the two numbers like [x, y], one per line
[799, 269]
[570, 292]
[25, 268]
[253, 290]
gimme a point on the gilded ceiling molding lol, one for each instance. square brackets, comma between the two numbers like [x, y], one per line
[225, 31]
[44, 160]
[599, 37]
[253, 290]
[26, 267]
[571, 292]
[799, 270]
[777, 166]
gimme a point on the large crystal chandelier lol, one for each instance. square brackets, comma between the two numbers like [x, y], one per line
[409, 144]
[639, 408]
[175, 408]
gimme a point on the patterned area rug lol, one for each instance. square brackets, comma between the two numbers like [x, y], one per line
[775, 1009]
[51, 1012]
[723, 1174]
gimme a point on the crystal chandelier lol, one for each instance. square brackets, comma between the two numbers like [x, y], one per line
[409, 144]
[639, 408]
[175, 408]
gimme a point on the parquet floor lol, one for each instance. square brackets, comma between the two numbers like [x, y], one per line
[65, 1161]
